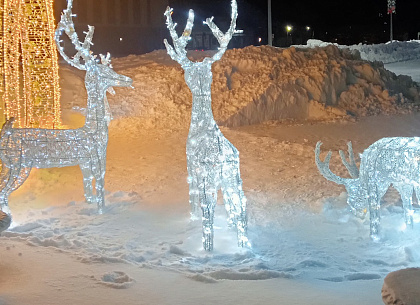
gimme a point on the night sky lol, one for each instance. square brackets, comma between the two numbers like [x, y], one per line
[330, 20]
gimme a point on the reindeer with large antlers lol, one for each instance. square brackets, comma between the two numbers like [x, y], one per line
[23, 149]
[212, 161]
[388, 161]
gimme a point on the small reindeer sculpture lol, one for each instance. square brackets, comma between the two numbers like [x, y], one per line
[212, 161]
[23, 149]
[388, 161]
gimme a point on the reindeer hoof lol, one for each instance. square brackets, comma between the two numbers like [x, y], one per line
[90, 199]
[375, 237]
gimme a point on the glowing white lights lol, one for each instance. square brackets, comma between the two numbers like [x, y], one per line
[23, 149]
[212, 161]
[388, 161]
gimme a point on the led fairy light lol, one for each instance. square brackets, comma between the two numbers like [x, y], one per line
[28, 41]
[21, 149]
[388, 161]
[212, 161]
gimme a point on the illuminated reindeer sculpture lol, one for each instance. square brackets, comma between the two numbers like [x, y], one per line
[212, 161]
[23, 149]
[388, 161]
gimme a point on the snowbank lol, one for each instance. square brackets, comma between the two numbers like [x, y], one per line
[258, 84]
[389, 52]
[307, 247]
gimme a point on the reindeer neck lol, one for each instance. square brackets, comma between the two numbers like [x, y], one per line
[201, 113]
[199, 79]
[95, 112]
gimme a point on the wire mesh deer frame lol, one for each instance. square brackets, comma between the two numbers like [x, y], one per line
[23, 149]
[388, 161]
[212, 161]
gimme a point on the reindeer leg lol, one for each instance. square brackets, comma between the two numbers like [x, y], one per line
[87, 181]
[208, 199]
[406, 192]
[374, 210]
[100, 181]
[5, 178]
[235, 203]
[15, 179]
[193, 191]
[194, 198]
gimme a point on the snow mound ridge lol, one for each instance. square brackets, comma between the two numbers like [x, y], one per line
[320, 83]
[385, 52]
[257, 84]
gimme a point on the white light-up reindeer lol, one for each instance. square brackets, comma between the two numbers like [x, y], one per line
[212, 161]
[23, 149]
[388, 161]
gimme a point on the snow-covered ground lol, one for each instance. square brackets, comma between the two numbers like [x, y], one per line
[275, 104]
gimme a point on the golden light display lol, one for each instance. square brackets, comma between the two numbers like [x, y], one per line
[29, 86]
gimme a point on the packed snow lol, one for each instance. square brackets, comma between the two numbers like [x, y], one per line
[389, 52]
[274, 105]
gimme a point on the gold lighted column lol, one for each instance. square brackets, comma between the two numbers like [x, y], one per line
[29, 86]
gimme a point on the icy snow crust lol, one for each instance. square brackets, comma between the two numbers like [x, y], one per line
[300, 228]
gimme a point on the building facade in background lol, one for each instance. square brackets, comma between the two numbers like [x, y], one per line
[122, 27]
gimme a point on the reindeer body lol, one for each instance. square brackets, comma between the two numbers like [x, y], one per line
[212, 161]
[23, 149]
[389, 161]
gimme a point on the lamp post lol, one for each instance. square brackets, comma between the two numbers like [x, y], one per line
[391, 10]
[308, 30]
[289, 28]
[270, 26]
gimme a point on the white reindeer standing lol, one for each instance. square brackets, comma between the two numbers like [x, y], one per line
[212, 161]
[23, 149]
[388, 161]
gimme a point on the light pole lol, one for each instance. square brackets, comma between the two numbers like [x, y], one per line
[270, 26]
[289, 28]
[308, 29]
[391, 10]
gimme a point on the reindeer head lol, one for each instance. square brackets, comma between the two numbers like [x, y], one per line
[100, 76]
[356, 192]
[179, 53]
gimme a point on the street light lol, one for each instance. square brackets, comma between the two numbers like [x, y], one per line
[289, 28]
[309, 30]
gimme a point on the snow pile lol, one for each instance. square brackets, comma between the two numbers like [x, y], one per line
[401, 287]
[258, 84]
[304, 238]
[389, 52]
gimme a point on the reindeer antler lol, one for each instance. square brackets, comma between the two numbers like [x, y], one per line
[224, 39]
[83, 49]
[178, 52]
[324, 167]
[351, 166]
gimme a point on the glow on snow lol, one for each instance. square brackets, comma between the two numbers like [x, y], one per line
[23, 149]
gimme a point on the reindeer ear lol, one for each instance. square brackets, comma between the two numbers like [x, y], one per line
[106, 60]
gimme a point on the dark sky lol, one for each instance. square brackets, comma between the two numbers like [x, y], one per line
[362, 17]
